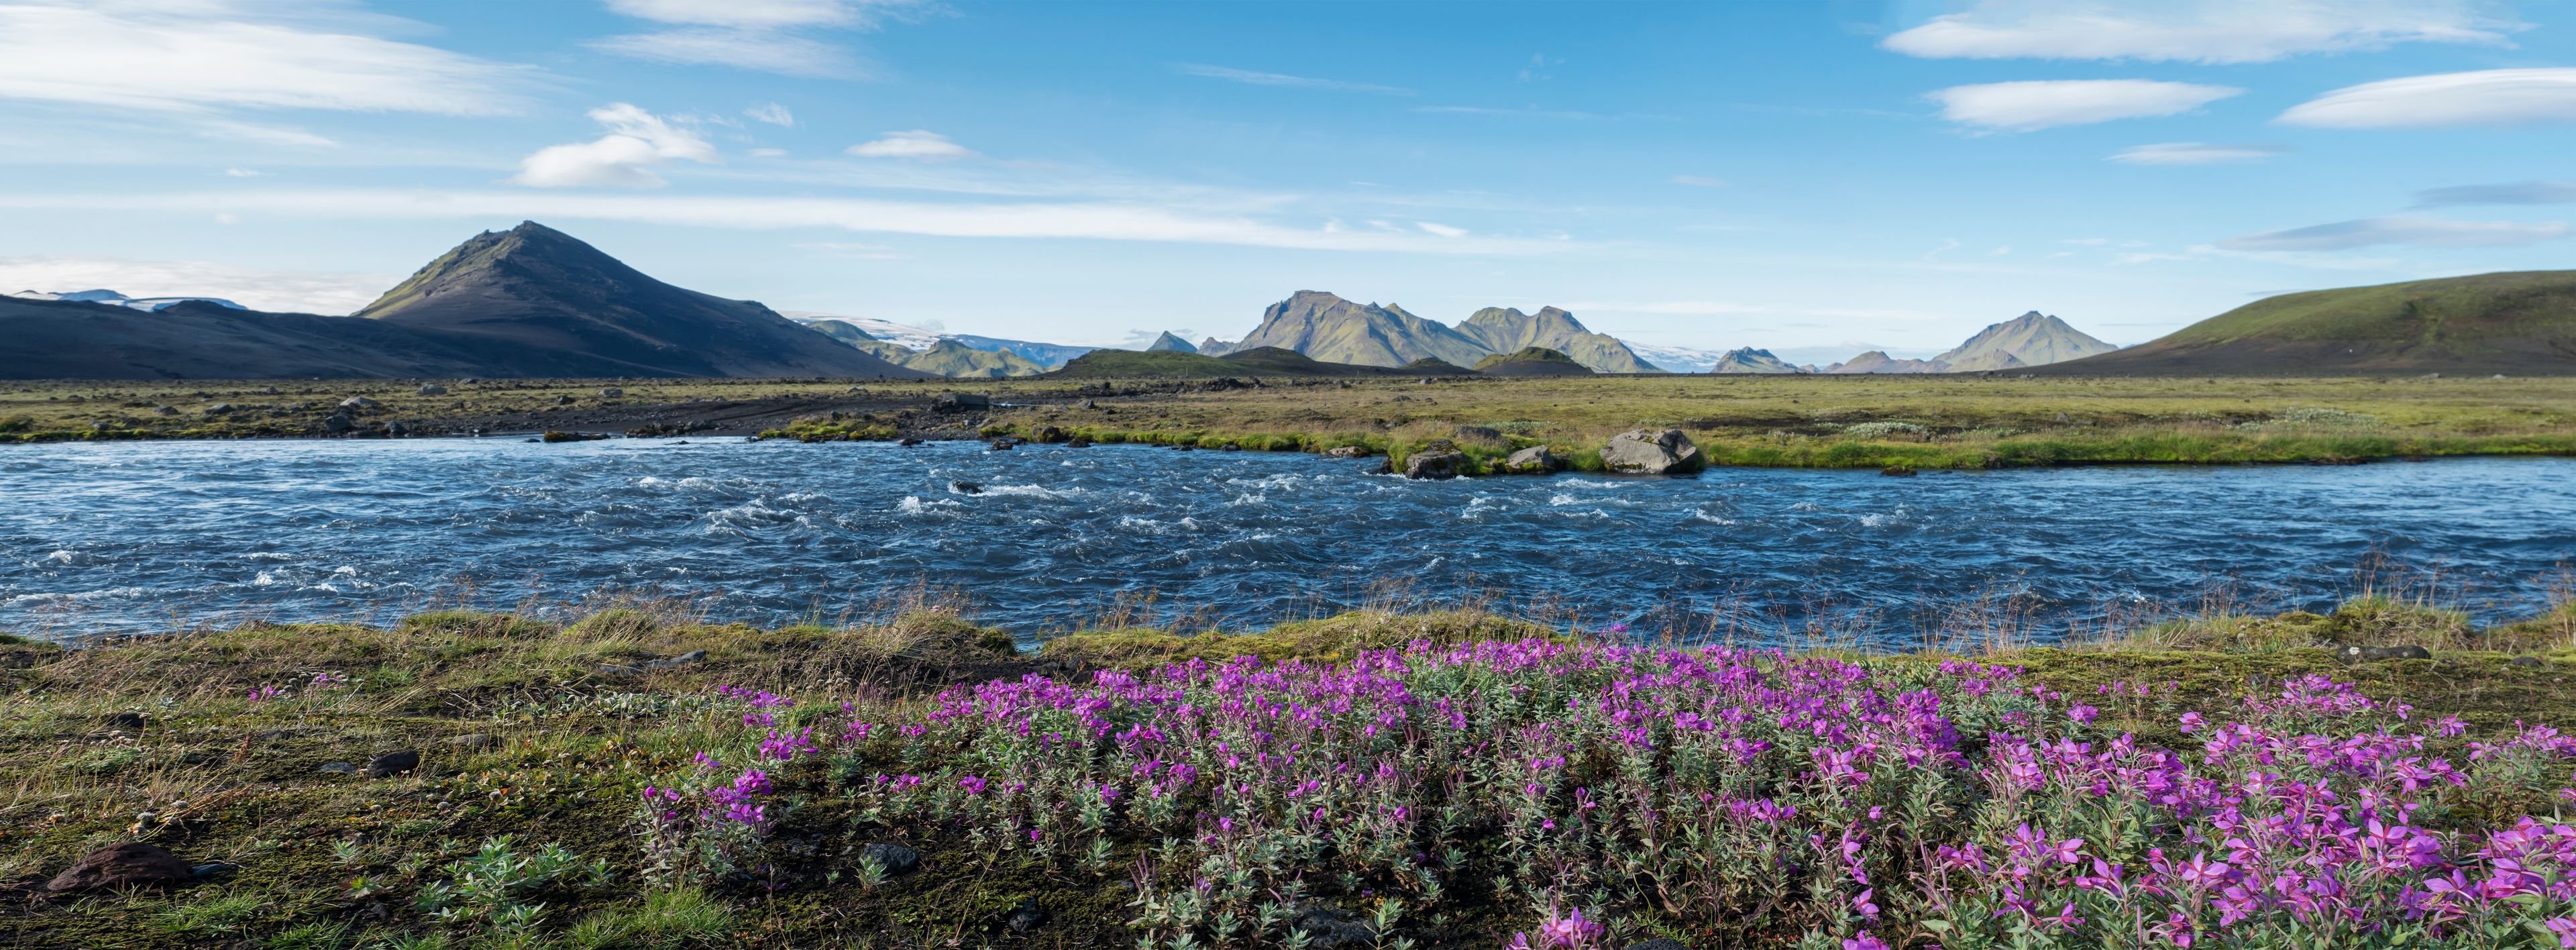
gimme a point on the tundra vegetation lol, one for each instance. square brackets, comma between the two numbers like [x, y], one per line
[1905, 422]
[632, 775]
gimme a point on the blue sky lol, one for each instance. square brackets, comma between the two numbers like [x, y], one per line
[1809, 178]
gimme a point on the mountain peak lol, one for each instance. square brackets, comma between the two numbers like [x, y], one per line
[1168, 343]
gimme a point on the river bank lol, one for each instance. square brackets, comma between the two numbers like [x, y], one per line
[632, 776]
[1891, 422]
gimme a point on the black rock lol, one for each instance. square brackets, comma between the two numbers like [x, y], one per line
[122, 867]
[392, 763]
[966, 488]
[204, 871]
[1027, 916]
[1001, 444]
[125, 720]
[897, 859]
[907, 441]
[1328, 928]
[2372, 654]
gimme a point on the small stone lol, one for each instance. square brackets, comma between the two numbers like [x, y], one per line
[124, 866]
[474, 740]
[219, 409]
[359, 402]
[999, 445]
[1028, 916]
[1347, 452]
[393, 763]
[611, 392]
[2527, 661]
[563, 400]
[338, 768]
[896, 859]
[433, 389]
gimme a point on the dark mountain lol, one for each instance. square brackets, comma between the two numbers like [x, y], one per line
[540, 303]
[2519, 323]
[1167, 343]
[1501, 330]
[2032, 339]
[79, 340]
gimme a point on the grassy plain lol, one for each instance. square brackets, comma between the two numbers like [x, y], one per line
[546, 728]
[1800, 421]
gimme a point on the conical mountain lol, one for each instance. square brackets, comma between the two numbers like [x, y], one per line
[1168, 343]
[541, 303]
[2032, 339]
[1502, 330]
[1333, 330]
[1750, 360]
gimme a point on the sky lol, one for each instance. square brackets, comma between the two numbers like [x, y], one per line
[1811, 178]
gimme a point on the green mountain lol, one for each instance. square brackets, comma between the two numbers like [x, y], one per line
[2031, 339]
[1531, 361]
[1167, 343]
[1501, 330]
[1334, 330]
[2519, 323]
[1877, 361]
[1750, 360]
[549, 305]
[950, 358]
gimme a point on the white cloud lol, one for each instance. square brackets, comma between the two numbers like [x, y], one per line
[917, 143]
[2039, 104]
[1697, 181]
[1098, 220]
[766, 13]
[2198, 153]
[210, 55]
[242, 172]
[768, 51]
[772, 113]
[636, 141]
[1440, 229]
[768, 153]
[2198, 31]
[2510, 193]
[1250, 77]
[2421, 232]
[256, 288]
[2486, 97]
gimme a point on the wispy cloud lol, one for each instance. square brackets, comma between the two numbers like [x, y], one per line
[2198, 153]
[2198, 31]
[1250, 77]
[636, 142]
[772, 113]
[2509, 193]
[2485, 97]
[2421, 232]
[1112, 221]
[761, 35]
[2039, 104]
[915, 144]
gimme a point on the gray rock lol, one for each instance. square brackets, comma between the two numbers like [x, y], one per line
[563, 400]
[1330, 928]
[1647, 452]
[359, 402]
[1535, 460]
[966, 488]
[611, 392]
[1086, 404]
[392, 763]
[337, 768]
[907, 441]
[1435, 464]
[1027, 917]
[1484, 434]
[474, 740]
[338, 423]
[2527, 661]
[433, 389]
[1348, 452]
[1003, 444]
[896, 859]
[219, 409]
[955, 402]
[2374, 654]
[126, 866]
[397, 428]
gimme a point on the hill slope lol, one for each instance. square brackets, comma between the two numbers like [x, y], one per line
[537, 302]
[81, 340]
[2032, 339]
[2516, 323]
[1333, 330]
[1501, 330]
[1532, 361]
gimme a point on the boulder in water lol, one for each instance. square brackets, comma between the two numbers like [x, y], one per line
[1647, 452]
[1436, 459]
[1535, 460]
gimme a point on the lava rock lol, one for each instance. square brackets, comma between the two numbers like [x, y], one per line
[1027, 917]
[1435, 464]
[1535, 460]
[397, 429]
[896, 859]
[125, 720]
[2374, 654]
[392, 763]
[1000, 445]
[219, 409]
[337, 423]
[1646, 452]
[127, 866]
[1328, 928]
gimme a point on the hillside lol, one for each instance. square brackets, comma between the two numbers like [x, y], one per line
[2032, 339]
[1750, 360]
[1531, 361]
[1877, 361]
[1333, 330]
[536, 302]
[2517, 323]
[84, 340]
[1501, 330]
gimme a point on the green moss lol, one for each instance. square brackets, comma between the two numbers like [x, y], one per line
[1329, 639]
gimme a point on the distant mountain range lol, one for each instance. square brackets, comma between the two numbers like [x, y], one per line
[121, 300]
[2517, 323]
[530, 301]
[1328, 328]
[945, 357]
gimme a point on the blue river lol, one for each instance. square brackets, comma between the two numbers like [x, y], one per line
[113, 538]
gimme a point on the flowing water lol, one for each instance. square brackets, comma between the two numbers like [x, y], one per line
[98, 538]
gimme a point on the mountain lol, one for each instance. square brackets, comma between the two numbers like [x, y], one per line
[1167, 343]
[1215, 347]
[85, 340]
[1750, 360]
[1501, 330]
[2517, 323]
[539, 303]
[1046, 355]
[1531, 361]
[1677, 359]
[1257, 361]
[121, 300]
[1333, 330]
[2027, 340]
[1877, 361]
[945, 357]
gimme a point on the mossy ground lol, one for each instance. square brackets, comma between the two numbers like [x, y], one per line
[1916, 422]
[546, 728]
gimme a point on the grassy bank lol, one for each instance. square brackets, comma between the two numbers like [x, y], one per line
[1916, 422]
[637, 777]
